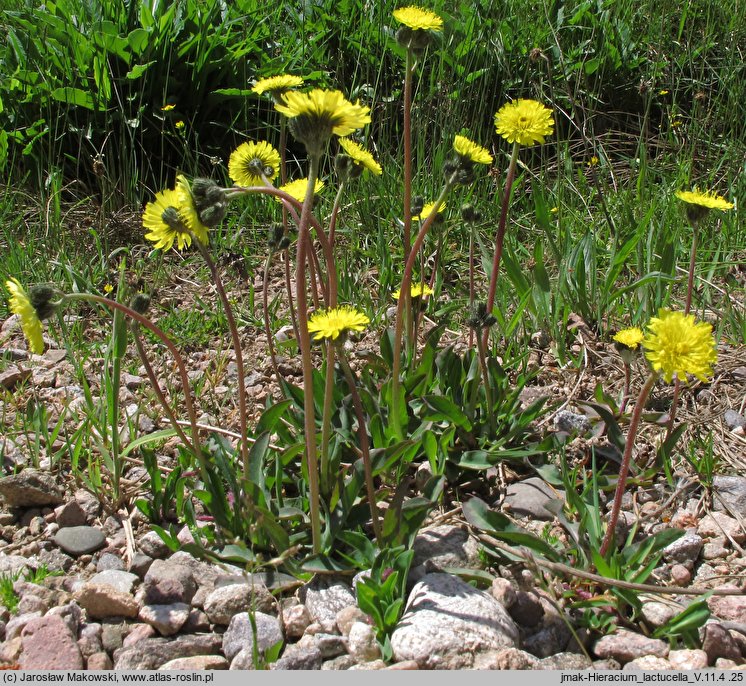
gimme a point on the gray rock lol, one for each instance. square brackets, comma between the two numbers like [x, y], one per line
[651, 663]
[166, 619]
[108, 562]
[528, 498]
[12, 564]
[226, 601]
[122, 581]
[55, 560]
[296, 620]
[151, 653]
[48, 644]
[103, 600]
[137, 633]
[99, 662]
[445, 546]
[625, 646]
[324, 598]
[734, 420]
[197, 662]
[566, 661]
[239, 635]
[447, 622]
[88, 502]
[89, 640]
[329, 645]
[72, 615]
[728, 607]
[70, 514]
[718, 524]
[79, 540]
[112, 636]
[717, 642]
[298, 657]
[571, 422]
[345, 619]
[362, 643]
[688, 659]
[657, 614]
[343, 662]
[30, 488]
[730, 494]
[506, 658]
[197, 622]
[526, 609]
[15, 626]
[140, 564]
[153, 546]
[684, 550]
[168, 582]
[12, 455]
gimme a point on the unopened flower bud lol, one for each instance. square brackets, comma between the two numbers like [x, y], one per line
[209, 201]
[418, 202]
[42, 298]
[140, 303]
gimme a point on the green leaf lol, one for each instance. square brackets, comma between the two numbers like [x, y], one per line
[479, 515]
[444, 409]
[73, 96]
[233, 92]
[138, 70]
[156, 436]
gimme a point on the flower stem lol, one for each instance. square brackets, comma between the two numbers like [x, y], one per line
[326, 421]
[487, 384]
[140, 319]
[362, 431]
[236, 341]
[625, 391]
[265, 313]
[400, 307]
[304, 344]
[500, 238]
[687, 308]
[135, 328]
[407, 209]
[621, 483]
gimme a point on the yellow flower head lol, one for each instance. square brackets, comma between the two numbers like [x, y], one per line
[336, 322]
[427, 209]
[180, 125]
[629, 338]
[315, 116]
[524, 122]
[676, 344]
[419, 19]
[416, 290]
[249, 160]
[359, 156]
[173, 217]
[707, 199]
[277, 84]
[471, 151]
[167, 108]
[297, 189]
[20, 304]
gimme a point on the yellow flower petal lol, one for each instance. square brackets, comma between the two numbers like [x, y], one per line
[277, 84]
[417, 18]
[677, 345]
[708, 199]
[471, 151]
[244, 160]
[524, 121]
[335, 322]
[20, 304]
[297, 189]
[360, 156]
